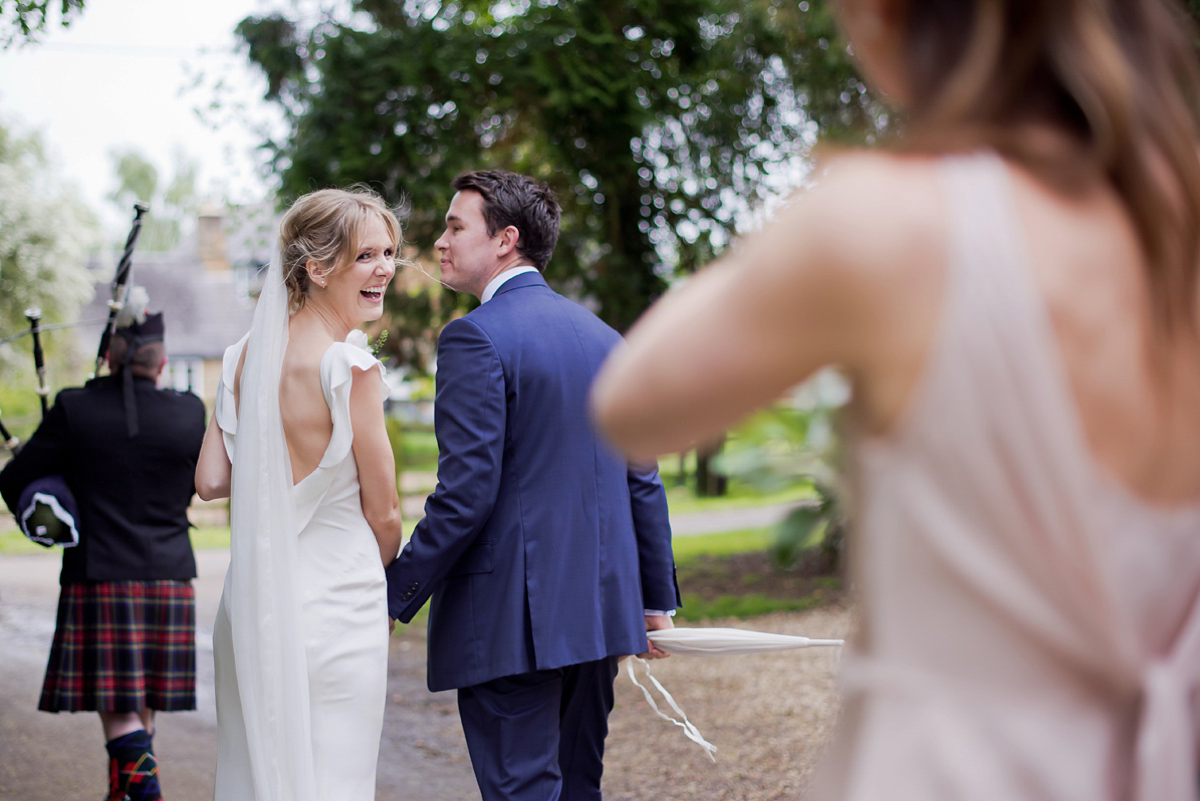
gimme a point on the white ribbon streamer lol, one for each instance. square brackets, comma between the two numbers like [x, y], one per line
[711, 642]
[691, 731]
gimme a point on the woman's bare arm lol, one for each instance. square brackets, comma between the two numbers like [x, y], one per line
[847, 274]
[376, 463]
[213, 470]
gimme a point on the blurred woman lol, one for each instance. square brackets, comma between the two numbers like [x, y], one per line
[298, 444]
[1012, 290]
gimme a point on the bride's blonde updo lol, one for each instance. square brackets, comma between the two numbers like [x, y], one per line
[323, 226]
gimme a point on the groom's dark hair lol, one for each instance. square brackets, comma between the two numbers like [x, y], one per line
[519, 201]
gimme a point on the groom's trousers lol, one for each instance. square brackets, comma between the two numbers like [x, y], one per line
[540, 736]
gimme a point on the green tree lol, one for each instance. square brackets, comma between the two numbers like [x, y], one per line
[25, 20]
[46, 234]
[654, 120]
[172, 208]
[659, 123]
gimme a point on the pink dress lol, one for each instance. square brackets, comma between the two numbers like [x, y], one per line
[1029, 628]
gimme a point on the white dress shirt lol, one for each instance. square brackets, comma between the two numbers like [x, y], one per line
[512, 272]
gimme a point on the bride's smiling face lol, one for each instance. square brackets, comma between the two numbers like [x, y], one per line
[355, 291]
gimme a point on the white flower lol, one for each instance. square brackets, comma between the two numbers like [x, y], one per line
[358, 338]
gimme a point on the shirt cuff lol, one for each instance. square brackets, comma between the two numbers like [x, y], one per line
[658, 612]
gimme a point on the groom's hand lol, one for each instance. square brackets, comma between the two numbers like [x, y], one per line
[656, 623]
[391, 625]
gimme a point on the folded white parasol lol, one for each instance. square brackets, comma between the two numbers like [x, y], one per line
[710, 642]
[719, 642]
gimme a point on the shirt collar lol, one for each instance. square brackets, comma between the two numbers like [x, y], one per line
[512, 272]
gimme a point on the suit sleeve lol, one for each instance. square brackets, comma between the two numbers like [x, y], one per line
[45, 454]
[469, 421]
[652, 527]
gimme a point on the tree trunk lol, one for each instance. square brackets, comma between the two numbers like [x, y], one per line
[709, 482]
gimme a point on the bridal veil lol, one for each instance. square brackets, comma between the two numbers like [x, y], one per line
[262, 599]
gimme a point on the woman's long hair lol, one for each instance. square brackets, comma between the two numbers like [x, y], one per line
[1120, 76]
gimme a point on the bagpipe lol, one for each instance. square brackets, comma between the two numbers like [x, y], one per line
[120, 286]
[47, 511]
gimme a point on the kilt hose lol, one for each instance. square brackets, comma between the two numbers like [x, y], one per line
[120, 646]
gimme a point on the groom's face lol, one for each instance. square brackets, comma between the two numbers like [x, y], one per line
[469, 256]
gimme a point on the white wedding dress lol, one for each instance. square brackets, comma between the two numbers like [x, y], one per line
[301, 636]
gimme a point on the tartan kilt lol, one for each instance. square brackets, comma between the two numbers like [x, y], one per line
[120, 646]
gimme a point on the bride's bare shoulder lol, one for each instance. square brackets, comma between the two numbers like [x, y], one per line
[302, 362]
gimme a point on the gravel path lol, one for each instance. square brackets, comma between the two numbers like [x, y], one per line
[769, 714]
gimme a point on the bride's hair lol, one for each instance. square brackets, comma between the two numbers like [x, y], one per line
[1119, 75]
[323, 226]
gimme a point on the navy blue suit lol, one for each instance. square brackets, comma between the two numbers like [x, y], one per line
[540, 546]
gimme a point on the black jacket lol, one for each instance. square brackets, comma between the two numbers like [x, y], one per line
[132, 493]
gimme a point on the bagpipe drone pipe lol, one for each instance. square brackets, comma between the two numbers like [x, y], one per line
[46, 512]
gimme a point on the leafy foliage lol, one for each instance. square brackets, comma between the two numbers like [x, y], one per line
[821, 526]
[654, 120]
[172, 208]
[780, 447]
[24, 20]
[46, 234]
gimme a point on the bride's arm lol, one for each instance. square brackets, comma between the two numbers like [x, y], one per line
[213, 469]
[214, 472]
[376, 463]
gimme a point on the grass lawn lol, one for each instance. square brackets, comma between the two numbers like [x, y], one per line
[696, 607]
[681, 500]
[210, 537]
[694, 558]
[689, 549]
[419, 449]
[419, 452]
[686, 548]
[207, 537]
[731, 575]
[721, 575]
[13, 541]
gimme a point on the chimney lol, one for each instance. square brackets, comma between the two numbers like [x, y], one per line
[210, 238]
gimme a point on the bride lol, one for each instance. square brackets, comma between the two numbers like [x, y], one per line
[298, 444]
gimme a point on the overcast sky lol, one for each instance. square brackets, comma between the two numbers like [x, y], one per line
[123, 75]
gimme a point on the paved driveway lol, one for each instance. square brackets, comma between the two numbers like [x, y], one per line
[61, 757]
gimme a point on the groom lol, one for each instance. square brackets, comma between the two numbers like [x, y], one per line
[546, 555]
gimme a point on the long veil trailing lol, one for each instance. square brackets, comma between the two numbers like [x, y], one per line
[262, 602]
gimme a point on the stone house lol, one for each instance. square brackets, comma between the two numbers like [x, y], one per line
[205, 287]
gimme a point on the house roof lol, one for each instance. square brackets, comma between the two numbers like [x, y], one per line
[205, 311]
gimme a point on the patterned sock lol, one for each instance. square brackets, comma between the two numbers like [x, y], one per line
[115, 793]
[134, 766]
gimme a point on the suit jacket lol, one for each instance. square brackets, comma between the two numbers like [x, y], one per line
[540, 546]
[132, 493]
